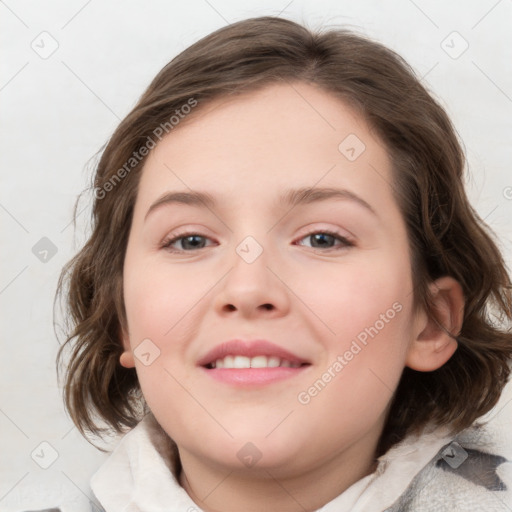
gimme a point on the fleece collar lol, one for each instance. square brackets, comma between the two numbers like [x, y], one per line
[141, 474]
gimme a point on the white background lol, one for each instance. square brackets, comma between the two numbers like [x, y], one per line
[57, 112]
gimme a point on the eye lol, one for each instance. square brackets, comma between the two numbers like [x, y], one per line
[188, 241]
[325, 240]
[319, 240]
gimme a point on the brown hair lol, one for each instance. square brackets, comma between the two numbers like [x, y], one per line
[447, 238]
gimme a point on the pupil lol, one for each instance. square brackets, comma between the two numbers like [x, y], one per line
[193, 240]
[322, 237]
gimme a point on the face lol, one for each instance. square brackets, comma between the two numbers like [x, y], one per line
[258, 273]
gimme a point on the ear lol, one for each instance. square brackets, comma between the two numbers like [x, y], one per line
[433, 345]
[126, 358]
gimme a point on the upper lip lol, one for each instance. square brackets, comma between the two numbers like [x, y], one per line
[251, 348]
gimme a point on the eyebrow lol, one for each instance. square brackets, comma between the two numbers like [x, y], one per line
[291, 198]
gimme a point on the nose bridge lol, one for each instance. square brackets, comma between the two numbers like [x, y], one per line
[249, 264]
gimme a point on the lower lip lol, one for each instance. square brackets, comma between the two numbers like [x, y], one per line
[253, 376]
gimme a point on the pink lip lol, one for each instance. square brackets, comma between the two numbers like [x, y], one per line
[251, 376]
[249, 349]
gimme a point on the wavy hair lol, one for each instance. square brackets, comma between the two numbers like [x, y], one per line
[446, 235]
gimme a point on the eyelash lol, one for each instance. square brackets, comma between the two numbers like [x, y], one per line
[166, 244]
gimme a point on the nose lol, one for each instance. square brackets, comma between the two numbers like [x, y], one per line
[253, 288]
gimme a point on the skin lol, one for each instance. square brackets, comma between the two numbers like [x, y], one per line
[311, 300]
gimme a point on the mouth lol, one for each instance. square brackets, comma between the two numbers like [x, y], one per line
[250, 363]
[238, 362]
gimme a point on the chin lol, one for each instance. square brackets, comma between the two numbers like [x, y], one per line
[252, 450]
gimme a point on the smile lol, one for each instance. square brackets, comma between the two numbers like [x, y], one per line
[238, 362]
[251, 363]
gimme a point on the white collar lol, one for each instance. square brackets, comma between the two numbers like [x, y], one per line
[141, 474]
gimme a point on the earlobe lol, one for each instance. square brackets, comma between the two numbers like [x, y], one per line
[435, 342]
[126, 358]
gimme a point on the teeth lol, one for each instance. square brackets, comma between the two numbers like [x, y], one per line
[259, 362]
[241, 362]
[274, 362]
[236, 362]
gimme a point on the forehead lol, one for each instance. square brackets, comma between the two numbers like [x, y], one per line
[260, 143]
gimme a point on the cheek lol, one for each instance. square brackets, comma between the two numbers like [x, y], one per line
[365, 312]
[160, 308]
[354, 296]
[354, 387]
[157, 300]
[155, 303]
